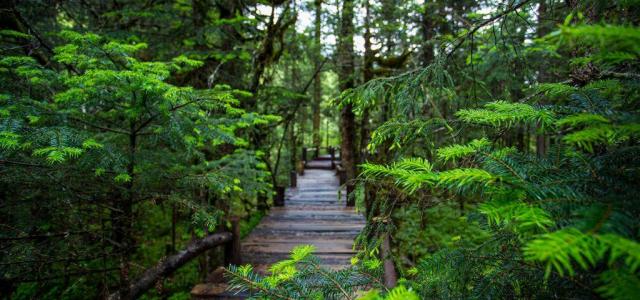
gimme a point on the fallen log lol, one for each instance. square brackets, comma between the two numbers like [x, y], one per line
[170, 264]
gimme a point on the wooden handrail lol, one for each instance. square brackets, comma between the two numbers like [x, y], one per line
[331, 150]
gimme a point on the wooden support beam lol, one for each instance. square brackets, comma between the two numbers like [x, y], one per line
[332, 153]
[293, 178]
[232, 249]
[390, 276]
[304, 155]
[279, 200]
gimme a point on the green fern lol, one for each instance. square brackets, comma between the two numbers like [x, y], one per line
[581, 120]
[616, 44]
[504, 114]
[525, 218]
[398, 293]
[605, 134]
[619, 284]
[622, 249]
[555, 90]
[399, 133]
[559, 249]
[411, 174]
[466, 179]
[455, 152]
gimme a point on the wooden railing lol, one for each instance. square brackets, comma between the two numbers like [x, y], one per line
[316, 151]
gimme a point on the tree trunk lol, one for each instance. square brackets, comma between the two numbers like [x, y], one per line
[367, 75]
[428, 28]
[345, 74]
[123, 217]
[543, 76]
[317, 82]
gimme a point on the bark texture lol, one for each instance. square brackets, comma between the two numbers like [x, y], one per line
[317, 83]
[346, 77]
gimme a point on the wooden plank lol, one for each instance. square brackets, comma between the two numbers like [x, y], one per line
[321, 248]
[314, 215]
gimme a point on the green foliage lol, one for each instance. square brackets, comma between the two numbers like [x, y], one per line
[558, 221]
[560, 249]
[555, 90]
[602, 135]
[399, 133]
[122, 122]
[114, 135]
[619, 284]
[303, 277]
[521, 216]
[616, 44]
[412, 173]
[505, 114]
[397, 293]
[455, 152]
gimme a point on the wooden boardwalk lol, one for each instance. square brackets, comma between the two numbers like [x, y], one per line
[312, 214]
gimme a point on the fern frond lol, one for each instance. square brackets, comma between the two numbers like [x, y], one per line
[455, 152]
[559, 249]
[604, 134]
[582, 120]
[411, 174]
[626, 250]
[615, 43]
[302, 252]
[555, 90]
[414, 164]
[619, 284]
[400, 133]
[525, 217]
[465, 179]
[504, 114]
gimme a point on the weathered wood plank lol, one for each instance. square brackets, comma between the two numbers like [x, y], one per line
[313, 214]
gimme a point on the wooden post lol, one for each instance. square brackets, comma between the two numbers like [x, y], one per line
[351, 200]
[232, 248]
[317, 153]
[342, 175]
[174, 221]
[293, 178]
[304, 155]
[301, 168]
[332, 153]
[279, 201]
[390, 276]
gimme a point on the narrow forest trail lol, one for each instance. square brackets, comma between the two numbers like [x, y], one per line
[312, 215]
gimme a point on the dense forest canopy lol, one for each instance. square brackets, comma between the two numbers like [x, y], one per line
[492, 145]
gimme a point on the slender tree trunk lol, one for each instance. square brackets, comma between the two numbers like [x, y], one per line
[317, 82]
[346, 72]
[367, 75]
[543, 76]
[428, 29]
[123, 218]
[388, 32]
[369, 195]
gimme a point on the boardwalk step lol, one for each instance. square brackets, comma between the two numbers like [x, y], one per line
[215, 291]
[314, 214]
